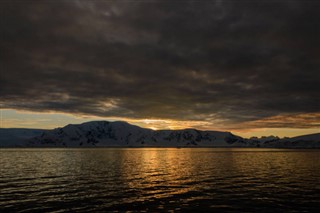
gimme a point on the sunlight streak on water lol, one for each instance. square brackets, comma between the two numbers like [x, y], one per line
[155, 179]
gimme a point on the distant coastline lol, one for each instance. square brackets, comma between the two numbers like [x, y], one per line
[118, 134]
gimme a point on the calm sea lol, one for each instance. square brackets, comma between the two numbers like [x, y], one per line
[159, 179]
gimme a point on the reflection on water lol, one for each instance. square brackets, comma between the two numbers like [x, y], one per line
[155, 179]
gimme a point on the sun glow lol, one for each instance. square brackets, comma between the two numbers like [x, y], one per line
[291, 125]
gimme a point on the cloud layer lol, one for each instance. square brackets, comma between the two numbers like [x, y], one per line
[217, 61]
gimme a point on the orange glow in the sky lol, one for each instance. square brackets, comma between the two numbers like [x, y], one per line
[281, 125]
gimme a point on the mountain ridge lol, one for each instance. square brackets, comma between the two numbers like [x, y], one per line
[123, 134]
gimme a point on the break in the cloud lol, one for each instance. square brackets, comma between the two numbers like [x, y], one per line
[224, 63]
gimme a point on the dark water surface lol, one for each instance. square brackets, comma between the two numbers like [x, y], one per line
[159, 179]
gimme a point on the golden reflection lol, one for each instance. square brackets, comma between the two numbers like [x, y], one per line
[157, 179]
[163, 171]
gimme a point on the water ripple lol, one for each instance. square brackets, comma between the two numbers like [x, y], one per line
[99, 180]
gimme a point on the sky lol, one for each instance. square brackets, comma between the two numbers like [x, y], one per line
[249, 67]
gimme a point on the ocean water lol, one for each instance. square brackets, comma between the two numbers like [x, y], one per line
[159, 179]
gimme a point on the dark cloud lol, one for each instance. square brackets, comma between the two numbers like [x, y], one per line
[188, 60]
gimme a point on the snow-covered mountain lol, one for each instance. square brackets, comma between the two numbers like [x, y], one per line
[122, 134]
[106, 134]
[265, 139]
[18, 137]
[304, 141]
[117, 134]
